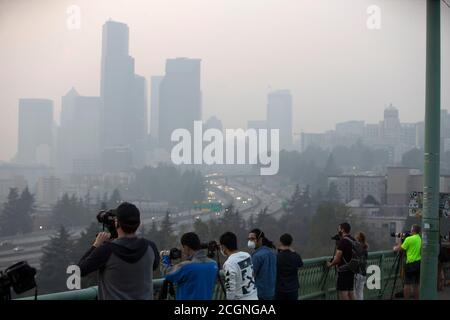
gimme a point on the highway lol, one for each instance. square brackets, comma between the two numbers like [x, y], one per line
[246, 197]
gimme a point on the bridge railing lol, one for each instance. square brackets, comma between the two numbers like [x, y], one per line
[316, 281]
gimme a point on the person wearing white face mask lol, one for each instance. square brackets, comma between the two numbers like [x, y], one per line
[264, 260]
[238, 270]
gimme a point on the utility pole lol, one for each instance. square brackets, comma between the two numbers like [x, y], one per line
[430, 218]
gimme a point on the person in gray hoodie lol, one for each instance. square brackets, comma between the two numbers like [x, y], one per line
[125, 265]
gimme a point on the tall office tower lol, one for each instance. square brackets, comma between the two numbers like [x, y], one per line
[256, 124]
[213, 123]
[179, 98]
[279, 116]
[391, 128]
[154, 106]
[123, 94]
[35, 140]
[79, 134]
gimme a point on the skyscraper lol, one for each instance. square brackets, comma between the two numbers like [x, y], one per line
[179, 98]
[123, 95]
[154, 106]
[35, 139]
[279, 116]
[79, 133]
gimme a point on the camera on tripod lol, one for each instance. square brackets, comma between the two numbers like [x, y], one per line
[108, 219]
[19, 277]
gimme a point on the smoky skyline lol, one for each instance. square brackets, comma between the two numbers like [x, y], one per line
[322, 51]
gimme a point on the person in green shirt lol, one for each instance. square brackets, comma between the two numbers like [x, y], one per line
[412, 245]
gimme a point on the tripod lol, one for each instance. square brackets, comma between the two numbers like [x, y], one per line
[327, 271]
[395, 267]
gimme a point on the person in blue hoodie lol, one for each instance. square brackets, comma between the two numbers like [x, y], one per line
[196, 276]
[264, 259]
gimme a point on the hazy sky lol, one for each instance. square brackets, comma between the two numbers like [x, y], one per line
[336, 68]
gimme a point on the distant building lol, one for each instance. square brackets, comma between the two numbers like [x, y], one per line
[154, 106]
[360, 187]
[48, 190]
[35, 139]
[180, 102]
[117, 159]
[279, 116]
[256, 124]
[351, 128]
[123, 94]
[79, 134]
[8, 181]
[213, 123]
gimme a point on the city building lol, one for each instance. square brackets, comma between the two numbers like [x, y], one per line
[79, 134]
[123, 95]
[154, 106]
[360, 187]
[279, 116]
[180, 100]
[48, 190]
[35, 138]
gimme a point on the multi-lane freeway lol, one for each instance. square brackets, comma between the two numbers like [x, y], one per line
[246, 197]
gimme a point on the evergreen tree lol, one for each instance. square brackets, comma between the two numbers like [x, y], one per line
[25, 210]
[8, 219]
[83, 244]
[57, 256]
[333, 193]
[115, 199]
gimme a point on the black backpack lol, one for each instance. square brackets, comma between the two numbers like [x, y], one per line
[358, 262]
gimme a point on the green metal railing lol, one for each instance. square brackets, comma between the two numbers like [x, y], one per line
[316, 281]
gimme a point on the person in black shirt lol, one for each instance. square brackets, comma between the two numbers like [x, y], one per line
[344, 253]
[288, 263]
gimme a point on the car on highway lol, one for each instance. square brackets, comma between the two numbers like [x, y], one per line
[17, 249]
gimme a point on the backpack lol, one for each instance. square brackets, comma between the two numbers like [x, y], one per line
[358, 262]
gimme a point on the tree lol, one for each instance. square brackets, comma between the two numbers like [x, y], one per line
[323, 226]
[57, 256]
[83, 243]
[115, 199]
[333, 193]
[8, 219]
[25, 209]
[167, 238]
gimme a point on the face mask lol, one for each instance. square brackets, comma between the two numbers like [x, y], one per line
[251, 244]
[222, 253]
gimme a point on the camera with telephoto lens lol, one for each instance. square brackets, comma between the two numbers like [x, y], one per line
[401, 235]
[107, 219]
[336, 237]
[19, 276]
[212, 248]
[175, 254]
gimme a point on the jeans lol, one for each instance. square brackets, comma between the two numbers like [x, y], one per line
[360, 281]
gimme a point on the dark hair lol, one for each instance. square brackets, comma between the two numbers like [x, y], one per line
[128, 217]
[416, 228]
[286, 239]
[345, 226]
[260, 235]
[191, 240]
[229, 240]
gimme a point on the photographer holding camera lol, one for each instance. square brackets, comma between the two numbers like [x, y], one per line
[343, 255]
[412, 245]
[125, 264]
[195, 277]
